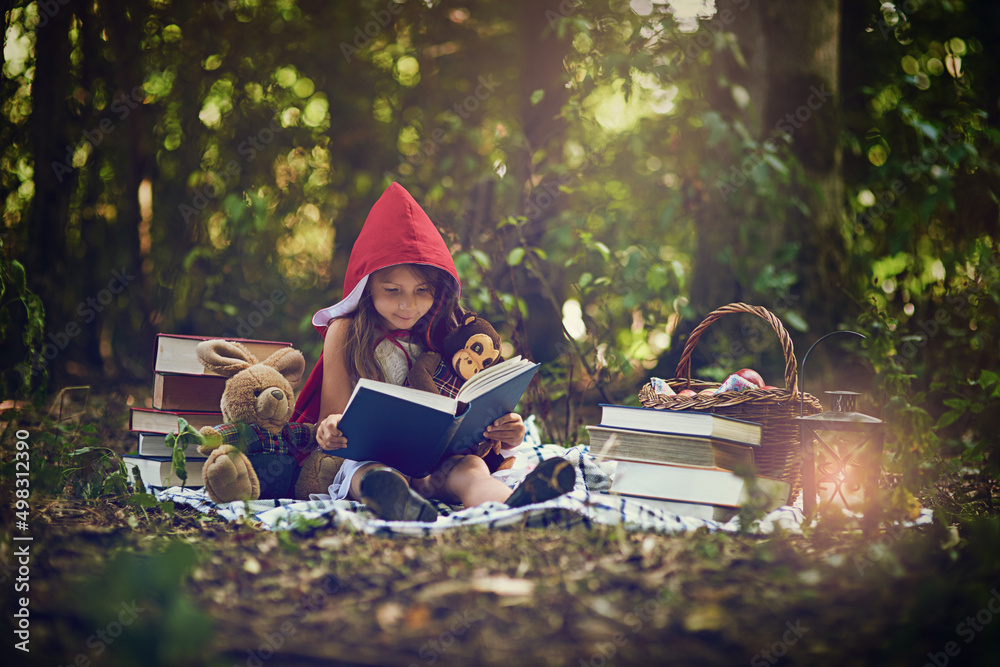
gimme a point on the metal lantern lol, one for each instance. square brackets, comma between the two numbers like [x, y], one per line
[841, 457]
[841, 453]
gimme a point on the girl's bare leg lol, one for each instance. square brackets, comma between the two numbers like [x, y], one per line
[465, 480]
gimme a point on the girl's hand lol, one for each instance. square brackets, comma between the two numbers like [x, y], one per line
[509, 430]
[329, 436]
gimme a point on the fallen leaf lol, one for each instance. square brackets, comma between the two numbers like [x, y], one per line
[441, 588]
[331, 542]
[252, 565]
[705, 617]
[389, 615]
[604, 607]
[267, 544]
[501, 585]
[417, 617]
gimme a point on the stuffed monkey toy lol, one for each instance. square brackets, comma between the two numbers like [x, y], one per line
[470, 348]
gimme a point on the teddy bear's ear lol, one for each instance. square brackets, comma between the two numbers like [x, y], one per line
[224, 357]
[289, 363]
[469, 319]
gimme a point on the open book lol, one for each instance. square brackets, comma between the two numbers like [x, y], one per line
[413, 430]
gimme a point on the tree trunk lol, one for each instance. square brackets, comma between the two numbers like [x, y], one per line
[791, 73]
[803, 40]
[136, 164]
[542, 66]
[50, 126]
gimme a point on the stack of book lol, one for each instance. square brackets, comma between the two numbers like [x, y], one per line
[182, 388]
[683, 462]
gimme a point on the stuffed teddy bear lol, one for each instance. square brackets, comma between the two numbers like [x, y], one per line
[256, 452]
[471, 347]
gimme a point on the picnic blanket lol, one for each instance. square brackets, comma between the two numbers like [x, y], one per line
[588, 504]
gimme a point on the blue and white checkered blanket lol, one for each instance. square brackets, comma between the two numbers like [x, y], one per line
[588, 504]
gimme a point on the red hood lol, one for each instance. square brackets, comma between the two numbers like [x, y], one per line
[397, 231]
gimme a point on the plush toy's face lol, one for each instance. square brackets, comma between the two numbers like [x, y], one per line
[258, 393]
[480, 352]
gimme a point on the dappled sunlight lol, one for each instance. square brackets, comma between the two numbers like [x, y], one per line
[305, 251]
[615, 113]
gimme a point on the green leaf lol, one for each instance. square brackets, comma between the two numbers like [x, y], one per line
[988, 379]
[657, 279]
[178, 463]
[795, 320]
[776, 164]
[515, 256]
[947, 419]
[537, 96]
[929, 130]
[143, 500]
[20, 279]
[137, 478]
[481, 257]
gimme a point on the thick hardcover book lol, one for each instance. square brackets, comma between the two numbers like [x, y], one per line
[413, 430]
[155, 444]
[176, 353]
[181, 393]
[161, 421]
[702, 424]
[696, 485]
[696, 510]
[157, 472]
[617, 443]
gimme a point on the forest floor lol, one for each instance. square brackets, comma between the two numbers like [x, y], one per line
[112, 582]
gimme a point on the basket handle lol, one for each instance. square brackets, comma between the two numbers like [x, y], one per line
[791, 373]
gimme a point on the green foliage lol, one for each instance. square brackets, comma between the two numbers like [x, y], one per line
[924, 198]
[103, 472]
[178, 441]
[22, 328]
[156, 620]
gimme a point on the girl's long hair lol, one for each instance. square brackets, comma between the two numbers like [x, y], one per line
[366, 329]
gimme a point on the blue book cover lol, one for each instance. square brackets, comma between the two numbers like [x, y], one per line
[413, 430]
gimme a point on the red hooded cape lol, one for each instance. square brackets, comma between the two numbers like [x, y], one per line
[397, 231]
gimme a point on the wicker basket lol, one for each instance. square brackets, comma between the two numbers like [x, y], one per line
[780, 453]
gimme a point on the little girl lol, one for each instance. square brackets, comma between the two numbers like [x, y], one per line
[401, 296]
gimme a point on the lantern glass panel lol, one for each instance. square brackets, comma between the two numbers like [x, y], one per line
[842, 457]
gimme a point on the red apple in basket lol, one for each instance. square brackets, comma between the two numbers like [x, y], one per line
[750, 375]
[687, 392]
[768, 386]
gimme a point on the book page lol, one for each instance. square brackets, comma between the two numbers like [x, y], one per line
[491, 377]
